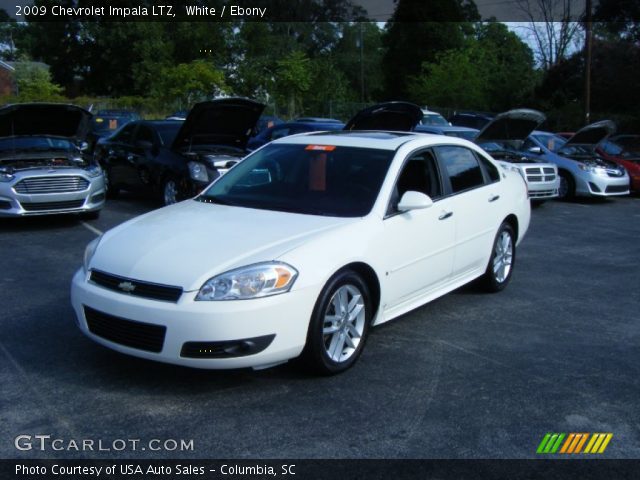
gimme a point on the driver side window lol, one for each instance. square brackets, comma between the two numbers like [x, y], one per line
[419, 174]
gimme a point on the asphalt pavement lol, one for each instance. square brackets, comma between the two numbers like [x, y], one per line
[470, 375]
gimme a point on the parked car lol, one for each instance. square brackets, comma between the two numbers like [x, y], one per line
[106, 122]
[449, 130]
[290, 128]
[470, 119]
[179, 115]
[301, 248]
[503, 137]
[42, 167]
[433, 119]
[626, 157]
[266, 121]
[582, 171]
[178, 159]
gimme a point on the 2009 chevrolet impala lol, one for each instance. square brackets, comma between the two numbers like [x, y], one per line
[300, 248]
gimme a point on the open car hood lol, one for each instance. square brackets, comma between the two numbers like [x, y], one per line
[393, 116]
[50, 119]
[225, 122]
[514, 125]
[592, 134]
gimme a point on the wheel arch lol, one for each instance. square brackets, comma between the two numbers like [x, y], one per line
[512, 220]
[370, 277]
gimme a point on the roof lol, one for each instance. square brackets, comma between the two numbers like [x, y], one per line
[365, 139]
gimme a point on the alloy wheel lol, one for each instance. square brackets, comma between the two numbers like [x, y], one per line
[503, 257]
[344, 323]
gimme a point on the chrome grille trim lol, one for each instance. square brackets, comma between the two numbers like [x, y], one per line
[52, 184]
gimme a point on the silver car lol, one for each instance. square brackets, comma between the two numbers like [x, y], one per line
[582, 171]
[42, 169]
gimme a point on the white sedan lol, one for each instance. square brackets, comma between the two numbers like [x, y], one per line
[302, 247]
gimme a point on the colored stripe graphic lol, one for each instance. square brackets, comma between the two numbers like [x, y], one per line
[574, 443]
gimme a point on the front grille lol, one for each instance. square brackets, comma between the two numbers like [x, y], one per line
[137, 288]
[534, 178]
[543, 193]
[143, 336]
[548, 170]
[41, 206]
[616, 189]
[57, 184]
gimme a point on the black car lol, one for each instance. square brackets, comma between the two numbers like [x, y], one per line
[174, 159]
[106, 122]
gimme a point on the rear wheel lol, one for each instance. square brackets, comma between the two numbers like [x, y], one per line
[567, 189]
[339, 324]
[503, 256]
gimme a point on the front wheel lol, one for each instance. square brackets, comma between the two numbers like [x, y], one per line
[339, 324]
[503, 255]
[170, 191]
[111, 190]
[567, 188]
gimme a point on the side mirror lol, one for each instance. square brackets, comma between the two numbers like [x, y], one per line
[414, 201]
[535, 150]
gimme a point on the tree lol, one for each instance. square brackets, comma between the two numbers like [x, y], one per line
[553, 27]
[410, 42]
[293, 79]
[184, 84]
[33, 83]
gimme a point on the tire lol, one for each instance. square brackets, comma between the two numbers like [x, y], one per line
[503, 256]
[111, 191]
[567, 190]
[334, 341]
[170, 191]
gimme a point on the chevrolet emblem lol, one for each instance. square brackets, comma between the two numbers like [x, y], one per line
[127, 287]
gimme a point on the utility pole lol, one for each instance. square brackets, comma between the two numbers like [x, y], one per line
[361, 64]
[587, 63]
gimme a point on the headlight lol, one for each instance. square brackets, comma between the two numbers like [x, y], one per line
[6, 177]
[253, 281]
[93, 171]
[591, 169]
[197, 171]
[89, 252]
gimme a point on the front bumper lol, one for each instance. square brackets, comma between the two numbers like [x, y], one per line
[14, 204]
[590, 184]
[543, 190]
[283, 317]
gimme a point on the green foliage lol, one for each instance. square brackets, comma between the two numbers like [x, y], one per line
[184, 84]
[493, 71]
[293, 80]
[33, 83]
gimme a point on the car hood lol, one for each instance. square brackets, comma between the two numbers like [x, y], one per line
[393, 116]
[592, 134]
[227, 122]
[512, 126]
[50, 119]
[187, 243]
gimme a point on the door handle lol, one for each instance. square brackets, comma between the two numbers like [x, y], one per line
[445, 215]
[493, 198]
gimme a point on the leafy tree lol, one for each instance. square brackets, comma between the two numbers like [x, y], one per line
[293, 80]
[33, 83]
[410, 43]
[184, 84]
[458, 78]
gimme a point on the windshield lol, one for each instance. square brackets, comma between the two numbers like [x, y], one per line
[308, 179]
[433, 119]
[576, 150]
[613, 148]
[35, 144]
[168, 132]
[550, 141]
[109, 123]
